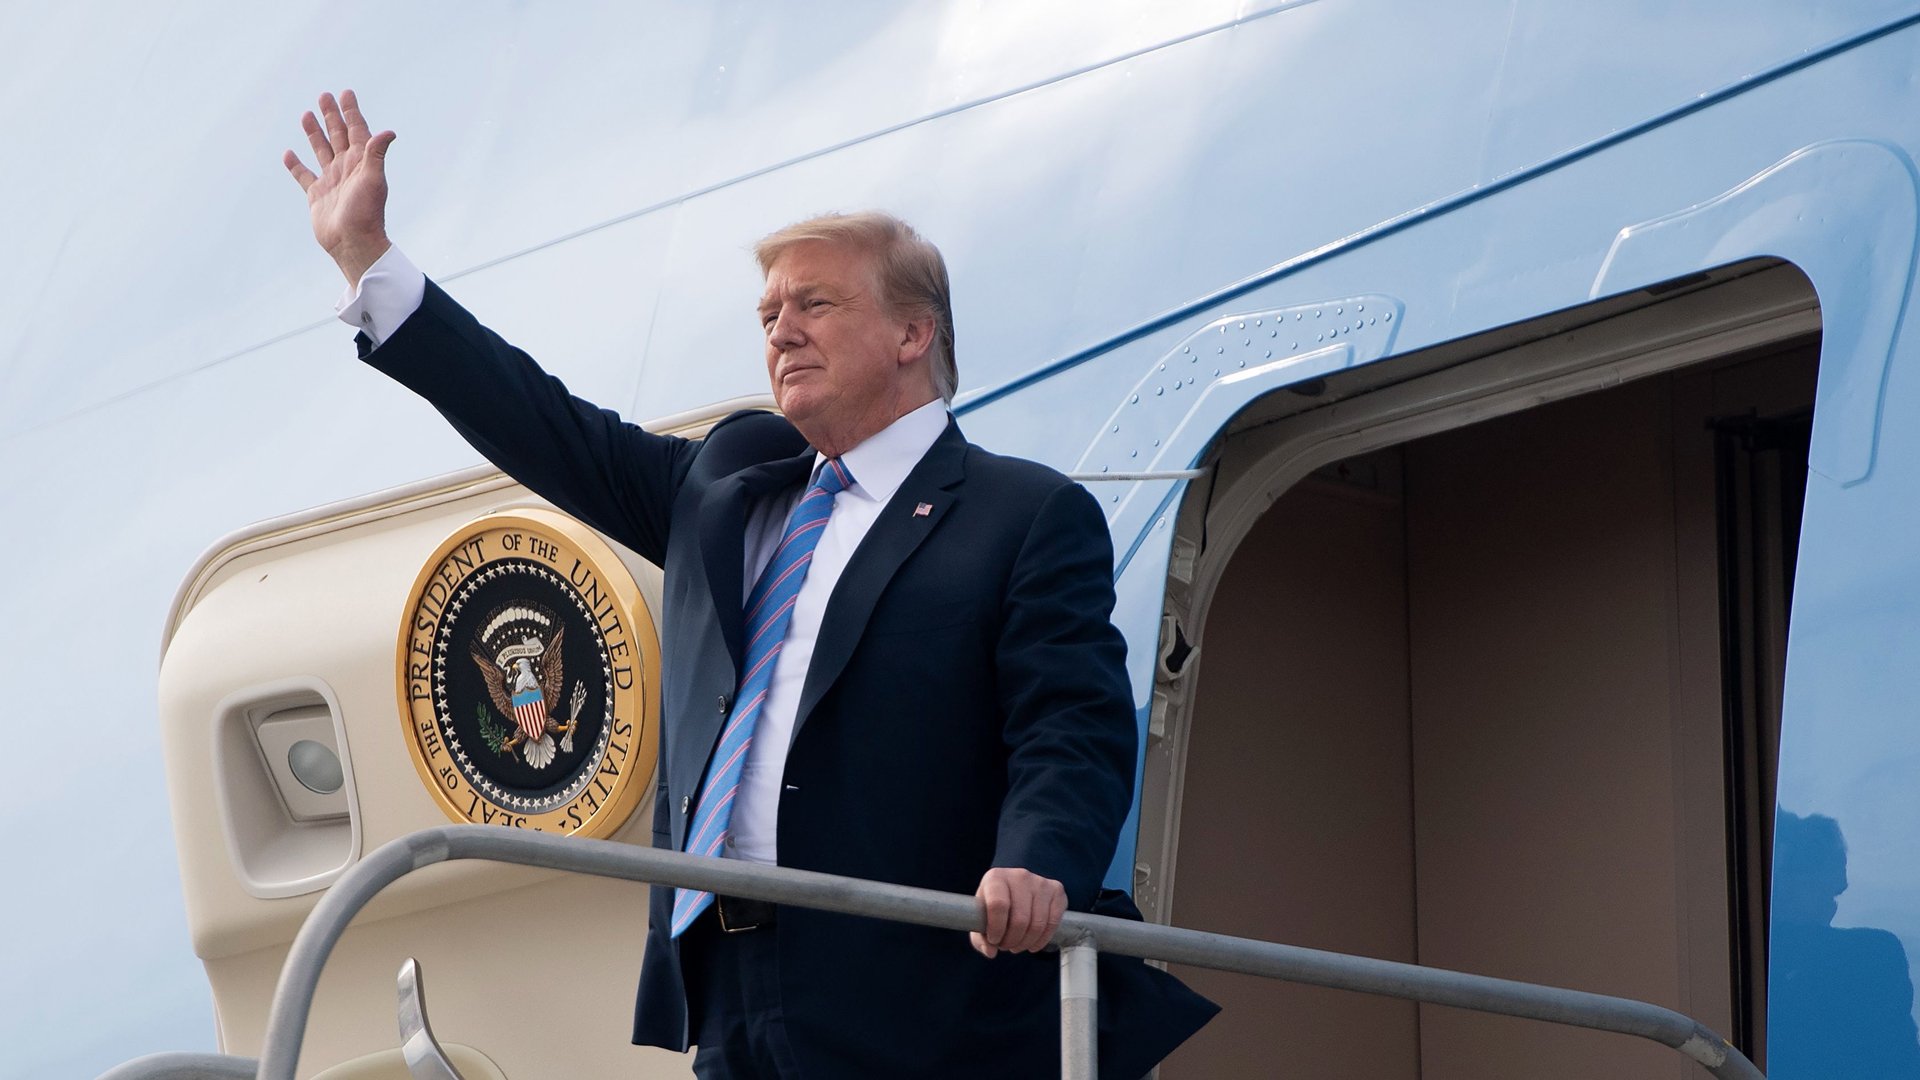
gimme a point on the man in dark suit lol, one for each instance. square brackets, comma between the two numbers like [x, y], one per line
[887, 653]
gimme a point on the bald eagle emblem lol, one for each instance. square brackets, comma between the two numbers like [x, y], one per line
[519, 656]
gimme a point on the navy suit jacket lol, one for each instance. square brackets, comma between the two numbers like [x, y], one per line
[966, 707]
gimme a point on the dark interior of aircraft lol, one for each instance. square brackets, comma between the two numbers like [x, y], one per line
[1505, 699]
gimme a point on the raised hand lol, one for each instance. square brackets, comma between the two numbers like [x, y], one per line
[348, 200]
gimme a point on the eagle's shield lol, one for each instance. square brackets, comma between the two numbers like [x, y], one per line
[530, 712]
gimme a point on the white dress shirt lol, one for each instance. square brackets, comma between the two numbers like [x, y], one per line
[392, 289]
[388, 292]
[879, 466]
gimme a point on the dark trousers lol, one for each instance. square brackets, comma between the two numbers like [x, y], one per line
[733, 998]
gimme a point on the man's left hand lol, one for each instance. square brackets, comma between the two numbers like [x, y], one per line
[1022, 910]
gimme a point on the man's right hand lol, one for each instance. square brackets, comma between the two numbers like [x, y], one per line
[348, 200]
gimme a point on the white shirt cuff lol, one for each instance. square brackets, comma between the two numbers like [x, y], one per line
[389, 292]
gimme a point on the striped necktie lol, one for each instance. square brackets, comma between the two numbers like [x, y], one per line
[769, 609]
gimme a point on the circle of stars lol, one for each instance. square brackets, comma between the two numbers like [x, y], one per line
[481, 782]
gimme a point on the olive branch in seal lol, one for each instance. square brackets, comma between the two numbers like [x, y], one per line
[493, 734]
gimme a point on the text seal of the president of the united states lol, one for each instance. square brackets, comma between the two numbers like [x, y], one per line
[527, 667]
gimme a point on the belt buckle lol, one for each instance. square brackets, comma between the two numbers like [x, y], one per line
[727, 924]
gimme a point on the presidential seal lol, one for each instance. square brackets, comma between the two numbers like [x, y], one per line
[528, 667]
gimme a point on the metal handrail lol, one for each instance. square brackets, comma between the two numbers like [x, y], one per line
[1078, 937]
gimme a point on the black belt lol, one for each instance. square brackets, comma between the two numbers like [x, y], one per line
[739, 914]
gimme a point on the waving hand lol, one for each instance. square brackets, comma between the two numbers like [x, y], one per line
[348, 199]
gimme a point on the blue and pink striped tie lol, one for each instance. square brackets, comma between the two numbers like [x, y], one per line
[768, 611]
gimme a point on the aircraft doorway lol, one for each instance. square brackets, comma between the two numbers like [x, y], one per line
[1502, 698]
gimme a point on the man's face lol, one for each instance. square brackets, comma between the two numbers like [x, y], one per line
[834, 354]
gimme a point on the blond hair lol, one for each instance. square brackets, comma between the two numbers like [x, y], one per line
[911, 275]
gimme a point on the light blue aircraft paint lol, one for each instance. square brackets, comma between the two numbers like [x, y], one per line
[1118, 188]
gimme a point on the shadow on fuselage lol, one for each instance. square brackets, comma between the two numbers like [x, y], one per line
[1840, 998]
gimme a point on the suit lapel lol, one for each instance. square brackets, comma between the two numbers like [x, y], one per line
[895, 535]
[723, 521]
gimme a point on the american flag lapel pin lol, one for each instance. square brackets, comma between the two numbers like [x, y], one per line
[923, 510]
